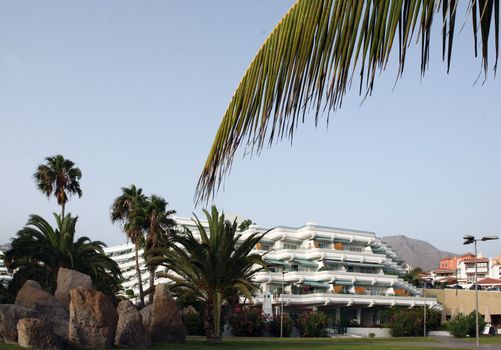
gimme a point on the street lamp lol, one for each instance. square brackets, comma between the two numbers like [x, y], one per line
[468, 239]
[282, 311]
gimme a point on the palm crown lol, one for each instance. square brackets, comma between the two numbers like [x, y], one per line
[39, 250]
[60, 178]
[310, 58]
[214, 267]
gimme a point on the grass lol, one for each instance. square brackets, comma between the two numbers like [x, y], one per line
[485, 339]
[195, 343]
[199, 343]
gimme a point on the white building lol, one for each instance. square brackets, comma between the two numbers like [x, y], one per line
[350, 275]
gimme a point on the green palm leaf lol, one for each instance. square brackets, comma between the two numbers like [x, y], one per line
[309, 59]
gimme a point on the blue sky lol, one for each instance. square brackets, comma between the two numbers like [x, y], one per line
[133, 92]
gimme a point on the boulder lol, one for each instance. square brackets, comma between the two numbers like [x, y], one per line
[32, 296]
[146, 316]
[166, 321]
[131, 332]
[37, 333]
[93, 319]
[9, 316]
[68, 279]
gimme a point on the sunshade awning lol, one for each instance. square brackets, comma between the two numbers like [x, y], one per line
[306, 262]
[316, 284]
[343, 283]
[275, 262]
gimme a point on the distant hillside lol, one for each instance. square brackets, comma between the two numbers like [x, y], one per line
[417, 253]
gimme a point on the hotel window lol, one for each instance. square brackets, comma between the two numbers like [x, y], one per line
[291, 246]
[324, 245]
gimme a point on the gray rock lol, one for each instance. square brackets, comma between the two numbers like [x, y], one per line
[146, 316]
[37, 333]
[93, 319]
[9, 317]
[166, 321]
[131, 332]
[32, 296]
[68, 279]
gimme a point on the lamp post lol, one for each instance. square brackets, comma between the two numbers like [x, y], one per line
[282, 307]
[468, 239]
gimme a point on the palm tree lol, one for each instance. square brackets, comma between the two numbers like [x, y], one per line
[160, 230]
[60, 178]
[39, 250]
[309, 60]
[215, 267]
[129, 210]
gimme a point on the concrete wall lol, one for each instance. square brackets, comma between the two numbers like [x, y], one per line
[364, 332]
[463, 301]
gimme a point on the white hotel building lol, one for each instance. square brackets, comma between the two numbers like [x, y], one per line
[349, 275]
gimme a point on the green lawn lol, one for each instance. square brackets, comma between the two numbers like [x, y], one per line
[486, 339]
[196, 343]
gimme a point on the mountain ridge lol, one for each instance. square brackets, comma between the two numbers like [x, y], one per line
[416, 252]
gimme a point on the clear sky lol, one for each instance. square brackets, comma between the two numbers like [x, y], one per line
[133, 92]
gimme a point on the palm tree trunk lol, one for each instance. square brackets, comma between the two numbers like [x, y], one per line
[152, 284]
[62, 211]
[212, 321]
[139, 279]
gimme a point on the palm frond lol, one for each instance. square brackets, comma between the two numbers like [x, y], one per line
[309, 59]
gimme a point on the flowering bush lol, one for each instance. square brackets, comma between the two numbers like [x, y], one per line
[249, 322]
[312, 324]
[273, 325]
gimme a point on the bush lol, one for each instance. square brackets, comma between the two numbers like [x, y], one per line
[459, 326]
[247, 322]
[312, 324]
[409, 322]
[193, 324]
[463, 325]
[372, 335]
[273, 325]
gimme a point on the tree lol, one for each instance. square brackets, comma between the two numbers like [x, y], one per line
[309, 60]
[414, 276]
[213, 268]
[60, 178]
[39, 250]
[244, 225]
[160, 230]
[129, 210]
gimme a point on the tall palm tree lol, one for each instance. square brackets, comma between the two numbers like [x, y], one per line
[214, 267]
[129, 210]
[39, 250]
[309, 59]
[60, 178]
[160, 230]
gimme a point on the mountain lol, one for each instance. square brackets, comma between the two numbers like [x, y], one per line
[415, 252]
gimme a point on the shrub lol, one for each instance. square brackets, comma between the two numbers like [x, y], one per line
[409, 322]
[193, 324]
[273, 325]
[247, 322]
[312, 324]
[459, 326]
[372, 335]
[463, 325]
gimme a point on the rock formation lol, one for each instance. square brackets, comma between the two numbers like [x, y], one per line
[68, 279]
[166, 321]
[32, 296]
[37, 333]
[93, 319]
[131, 332]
